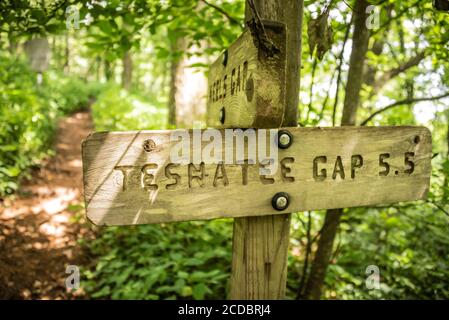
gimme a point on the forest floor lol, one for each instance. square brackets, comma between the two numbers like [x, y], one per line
[41, 226]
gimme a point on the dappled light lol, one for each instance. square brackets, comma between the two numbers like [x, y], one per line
[97, 202]
[38, 232]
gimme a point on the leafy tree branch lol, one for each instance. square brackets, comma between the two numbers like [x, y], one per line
[392, 73]
[223, 12]
[401, 103]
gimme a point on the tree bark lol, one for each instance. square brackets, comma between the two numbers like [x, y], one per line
[446, 179]
[174, 70]
[66, 67]
[172, 94]
[369, 76]
[12, 43]
[447, 137]
[360, 41]
[38, 53]
[108, 70]
[127, 73]
[260, 244]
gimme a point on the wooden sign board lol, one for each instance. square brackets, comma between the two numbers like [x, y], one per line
[246, 86]
[129, 177]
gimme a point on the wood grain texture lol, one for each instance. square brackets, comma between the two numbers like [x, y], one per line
[124, 184]
[259, 261]
[248, 85]
[256, 246]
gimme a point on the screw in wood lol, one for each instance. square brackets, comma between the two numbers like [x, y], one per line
[149, 145]
[222, 115]
[417, 139]
[225, 58]
[280, 201]
[285, 139]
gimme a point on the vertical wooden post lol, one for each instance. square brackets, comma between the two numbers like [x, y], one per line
[260, 244]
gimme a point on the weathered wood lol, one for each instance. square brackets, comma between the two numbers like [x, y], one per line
[260, 244]
[129, 177]
[246, 85]
[264, 238]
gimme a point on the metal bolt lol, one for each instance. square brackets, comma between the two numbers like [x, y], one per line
[417, 139]
[280, 201]
[285, 139]
[222, 115]
[225, 58]
[149, 145]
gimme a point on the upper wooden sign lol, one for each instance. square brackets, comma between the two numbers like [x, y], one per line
[130, 177]
[247, 84]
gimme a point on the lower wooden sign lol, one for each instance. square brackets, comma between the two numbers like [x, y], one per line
[131, 177]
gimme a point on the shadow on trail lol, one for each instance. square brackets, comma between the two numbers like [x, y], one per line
[38, 230]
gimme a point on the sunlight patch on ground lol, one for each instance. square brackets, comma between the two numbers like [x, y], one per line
[76, 163]
[52, 230]
[59, 201]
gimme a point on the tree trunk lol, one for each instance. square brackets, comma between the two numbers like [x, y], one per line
[191, 86]
[447, 137]
[12, 43]
[369, 76]
[38, 53]
[67, 54]
[352, 96]
[446, 179]
[97, 68]
[108, 70]
[175, 64]
[260, 244]
[127, 73]
[360, 41]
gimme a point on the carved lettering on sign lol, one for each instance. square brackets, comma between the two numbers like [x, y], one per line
[193, 174]
[229, 84]
[356, 163]
[245, 85]
[324, 168]
[170, 175]
[285, 169]
[197, 174]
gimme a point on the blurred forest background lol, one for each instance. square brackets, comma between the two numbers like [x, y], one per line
[142, 64]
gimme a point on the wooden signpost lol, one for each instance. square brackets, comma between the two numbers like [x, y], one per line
[130, 179]
[247, 85]
[133, 178]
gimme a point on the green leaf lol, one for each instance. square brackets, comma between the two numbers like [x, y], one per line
[199, 291]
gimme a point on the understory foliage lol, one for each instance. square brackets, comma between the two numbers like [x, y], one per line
[405, 69]
[117, 109]
[189, 260]
[28, 115]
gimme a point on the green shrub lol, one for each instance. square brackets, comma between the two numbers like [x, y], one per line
[190, 260]
[408, 242]
[28, 115]
[116, 109]
[27, 122]
[70, 93]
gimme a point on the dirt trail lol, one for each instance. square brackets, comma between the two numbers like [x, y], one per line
[38, 232]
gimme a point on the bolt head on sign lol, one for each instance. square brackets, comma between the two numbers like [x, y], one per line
[178, 175]
[280, 201]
